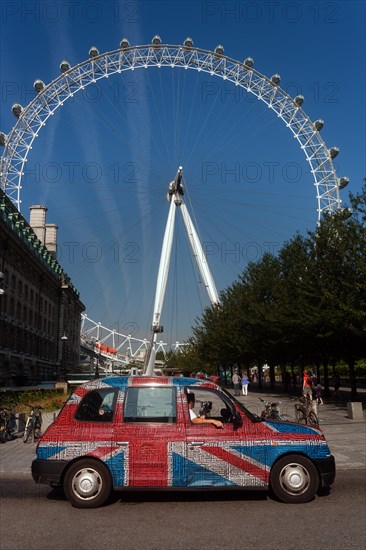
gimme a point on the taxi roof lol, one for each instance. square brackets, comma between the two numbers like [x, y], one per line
[140, 380]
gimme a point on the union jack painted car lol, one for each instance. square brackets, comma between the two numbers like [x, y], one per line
[139, 432]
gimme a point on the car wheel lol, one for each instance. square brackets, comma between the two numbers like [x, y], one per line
[294, 479]
[87, 484]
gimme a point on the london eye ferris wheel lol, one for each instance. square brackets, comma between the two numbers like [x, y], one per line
[170, 130]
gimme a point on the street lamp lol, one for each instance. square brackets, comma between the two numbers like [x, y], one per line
[63, 366]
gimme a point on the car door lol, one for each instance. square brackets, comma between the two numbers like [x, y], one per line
[149, 431]
[221, 456]
[85, 428]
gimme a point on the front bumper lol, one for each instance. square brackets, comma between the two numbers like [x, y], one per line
[48, 471]
[327, 470]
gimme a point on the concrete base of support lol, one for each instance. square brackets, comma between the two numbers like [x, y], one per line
[355, 410]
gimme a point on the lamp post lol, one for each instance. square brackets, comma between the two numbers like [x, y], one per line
[63, 365]
[97, 345]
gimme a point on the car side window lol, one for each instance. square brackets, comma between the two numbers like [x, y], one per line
[153, 404]
[97, 405]
[210, 404]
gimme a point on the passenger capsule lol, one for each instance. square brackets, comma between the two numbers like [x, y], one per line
[276, 79]
[124, 43]
[319, 124]
[17, 110]
[188, 43]
[93, 52]
[299, 100]
[333, 151]
[156, 40]
[38, 86]
[2, 139]
[249, 62]
[64, 66]
[343, 182]
[219, 50]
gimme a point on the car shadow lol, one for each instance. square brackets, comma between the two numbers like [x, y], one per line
[56, 493]
[186, 495]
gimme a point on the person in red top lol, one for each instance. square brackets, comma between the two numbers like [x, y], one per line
[306, 386]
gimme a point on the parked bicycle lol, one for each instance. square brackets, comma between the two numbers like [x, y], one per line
[33, 424]
[305, 413]
[7, 425]
[272, 411]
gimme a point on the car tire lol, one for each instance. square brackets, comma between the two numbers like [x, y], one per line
[294, 479]
[87, 484]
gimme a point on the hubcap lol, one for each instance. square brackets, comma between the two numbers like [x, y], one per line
[294, 479]
[87, 483]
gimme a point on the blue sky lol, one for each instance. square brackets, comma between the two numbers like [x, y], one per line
[103, 163]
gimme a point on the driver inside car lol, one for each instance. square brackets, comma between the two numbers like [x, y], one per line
[200, 419]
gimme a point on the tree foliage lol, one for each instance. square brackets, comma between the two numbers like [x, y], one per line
[307, 305]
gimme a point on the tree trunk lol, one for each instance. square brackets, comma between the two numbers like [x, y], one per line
[317, 370]
[326, 378]
[272, 376]
[260, 374]
[352, 377]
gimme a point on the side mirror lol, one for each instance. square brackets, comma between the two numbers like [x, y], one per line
[237, 421]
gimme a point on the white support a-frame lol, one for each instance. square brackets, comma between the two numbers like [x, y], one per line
[175, 196]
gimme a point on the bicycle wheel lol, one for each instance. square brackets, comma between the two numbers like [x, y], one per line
[37, 430]
[28, 429]
[301, 415]
[313, 419]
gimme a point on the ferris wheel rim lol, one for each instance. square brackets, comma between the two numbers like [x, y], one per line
[31, 119]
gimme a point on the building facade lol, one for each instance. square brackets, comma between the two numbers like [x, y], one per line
[40, 310]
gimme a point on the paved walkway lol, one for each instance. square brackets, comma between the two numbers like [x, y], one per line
[346, 437]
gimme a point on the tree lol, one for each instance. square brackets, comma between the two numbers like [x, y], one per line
[339, 277]
[306, 305]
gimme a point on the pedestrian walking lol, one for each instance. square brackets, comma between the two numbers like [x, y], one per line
[318, 394]
[244, 384]
[236, 381]
[307, 386]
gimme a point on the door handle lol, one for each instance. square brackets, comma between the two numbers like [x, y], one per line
[121, 442]
[196, 443]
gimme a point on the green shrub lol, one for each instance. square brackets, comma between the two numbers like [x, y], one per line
[49, 399]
